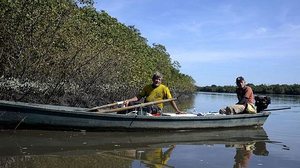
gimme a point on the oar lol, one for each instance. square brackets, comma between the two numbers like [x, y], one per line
[135, 106]
[275, 109]
[106, 106]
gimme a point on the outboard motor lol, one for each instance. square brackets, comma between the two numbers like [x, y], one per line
[262, 102]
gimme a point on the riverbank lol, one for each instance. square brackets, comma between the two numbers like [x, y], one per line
[258, 89]
[66, 93]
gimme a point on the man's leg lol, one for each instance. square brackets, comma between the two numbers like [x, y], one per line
[234, 109]
[238, 108]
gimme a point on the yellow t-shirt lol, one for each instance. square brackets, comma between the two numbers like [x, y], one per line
[155, 93]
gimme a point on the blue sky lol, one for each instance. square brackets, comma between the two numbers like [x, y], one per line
[217, 40]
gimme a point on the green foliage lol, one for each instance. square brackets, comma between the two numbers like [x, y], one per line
[68, 53]
[257, 89]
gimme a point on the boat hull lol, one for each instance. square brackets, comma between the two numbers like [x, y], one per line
[38, 116]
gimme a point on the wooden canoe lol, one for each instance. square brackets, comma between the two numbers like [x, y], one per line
[39, 116]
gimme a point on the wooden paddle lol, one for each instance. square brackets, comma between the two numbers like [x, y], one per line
[134, 106]
[275, 109]
[106, 106]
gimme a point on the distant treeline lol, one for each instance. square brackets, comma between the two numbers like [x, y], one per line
[257, 89]
[66, 52]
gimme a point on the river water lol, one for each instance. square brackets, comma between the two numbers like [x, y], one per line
[276, 144]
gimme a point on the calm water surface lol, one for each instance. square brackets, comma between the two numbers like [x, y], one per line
[275, 145]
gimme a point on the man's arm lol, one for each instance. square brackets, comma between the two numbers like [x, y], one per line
[176, 108]
[126, 102]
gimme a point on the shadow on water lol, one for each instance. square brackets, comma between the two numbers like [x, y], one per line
[120, 149]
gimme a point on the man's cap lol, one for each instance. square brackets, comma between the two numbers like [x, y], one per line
[239, 79]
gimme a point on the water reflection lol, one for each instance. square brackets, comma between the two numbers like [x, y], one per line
[244, 152]
[122, 149]
[150, 157]
[158, 157]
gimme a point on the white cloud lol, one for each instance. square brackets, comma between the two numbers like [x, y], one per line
[261, 30]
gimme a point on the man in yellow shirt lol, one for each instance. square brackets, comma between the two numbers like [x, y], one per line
[155, 92]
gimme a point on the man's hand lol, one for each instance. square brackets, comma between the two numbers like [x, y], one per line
[125, 103]
[180, 112]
